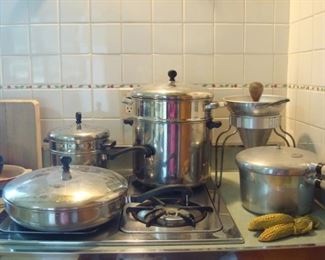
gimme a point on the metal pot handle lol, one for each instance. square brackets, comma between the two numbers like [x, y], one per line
[147, 150]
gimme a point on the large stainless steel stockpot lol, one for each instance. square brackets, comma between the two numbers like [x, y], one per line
[278, 179]
[86, 145]
[176, 121]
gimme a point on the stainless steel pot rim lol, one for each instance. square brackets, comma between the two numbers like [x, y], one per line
[69, 209]
[248, 100]
[187, 121]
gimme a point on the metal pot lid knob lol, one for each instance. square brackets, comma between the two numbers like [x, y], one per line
[78, 120]
[65, 161]
[172, 75]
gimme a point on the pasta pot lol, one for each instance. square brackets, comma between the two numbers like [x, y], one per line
[278, 179]
[85, 144]
[175, 121]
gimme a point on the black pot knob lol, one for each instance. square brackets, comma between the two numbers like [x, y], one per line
[172, 75]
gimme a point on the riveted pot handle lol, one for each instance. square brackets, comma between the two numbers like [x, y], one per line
[210, 106]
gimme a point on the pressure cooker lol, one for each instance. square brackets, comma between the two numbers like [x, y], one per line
[86, 145]
[172, 123]
[279, 179]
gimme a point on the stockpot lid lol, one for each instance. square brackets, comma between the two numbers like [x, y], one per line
[171, 90]
[276, 160]
[77, 132]
[65, 187]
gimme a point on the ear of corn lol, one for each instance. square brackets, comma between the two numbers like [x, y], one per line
[277, 232]
[303, 225]
[279, 225]
[269, 220]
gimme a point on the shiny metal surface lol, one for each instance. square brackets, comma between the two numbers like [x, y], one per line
[110, 238]
[268, 105]
[83, 143]
[174, 120]
[56, 199]
[182, 153]
[276, 179]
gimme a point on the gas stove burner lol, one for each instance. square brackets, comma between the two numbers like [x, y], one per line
[169, 212]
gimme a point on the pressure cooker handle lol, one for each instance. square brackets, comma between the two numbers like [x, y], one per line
[147, 150]
[184, 191]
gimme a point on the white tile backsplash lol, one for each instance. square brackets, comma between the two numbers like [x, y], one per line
[198, 38]
[16, 70]
[105, 10]
[259, 38]
[43, 11]
[280, 68]
[164, 63]
[198, 10]
[106, 38]
[167, 10]
[50, 102]
[44, 39]
[136, 10]
[76, 69]
[229, 68]
[167, 38]
[228, 38]
[137, 69]
[15, 40]
[259, 11]
[77, 100]
[74, 11]
[282, 11]
[198, 68]
[136, 38]
[75, 39]
[229, 11]
[281, 39]
[107, 68]
[13, 12]
[17, 94]
[100, 42]
[258, 68]
[46, 69]
[107, 103]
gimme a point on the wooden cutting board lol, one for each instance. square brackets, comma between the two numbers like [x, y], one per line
[20, 133]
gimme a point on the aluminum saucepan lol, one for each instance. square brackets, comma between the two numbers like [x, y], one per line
[70, 198]
[278, 179]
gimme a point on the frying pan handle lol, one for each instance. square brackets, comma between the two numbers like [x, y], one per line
[183, 190]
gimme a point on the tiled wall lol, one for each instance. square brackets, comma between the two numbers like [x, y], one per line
[93, 43]
[306, 74]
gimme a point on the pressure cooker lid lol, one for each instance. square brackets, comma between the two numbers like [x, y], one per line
[65, 187]
[275, 160]
[77, 132]
[171, 90]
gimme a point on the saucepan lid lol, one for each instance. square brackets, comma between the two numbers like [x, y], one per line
[77, 132]
[172, 90]
[64, 187]
[276, 160]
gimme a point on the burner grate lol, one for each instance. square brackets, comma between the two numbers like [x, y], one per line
[169, 212]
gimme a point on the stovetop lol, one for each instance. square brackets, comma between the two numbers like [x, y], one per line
[215, 226]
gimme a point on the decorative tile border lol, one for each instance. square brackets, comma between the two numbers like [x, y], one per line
[307, 87]
[119, 86]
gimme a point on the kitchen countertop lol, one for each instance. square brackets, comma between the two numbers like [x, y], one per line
[230, 192]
